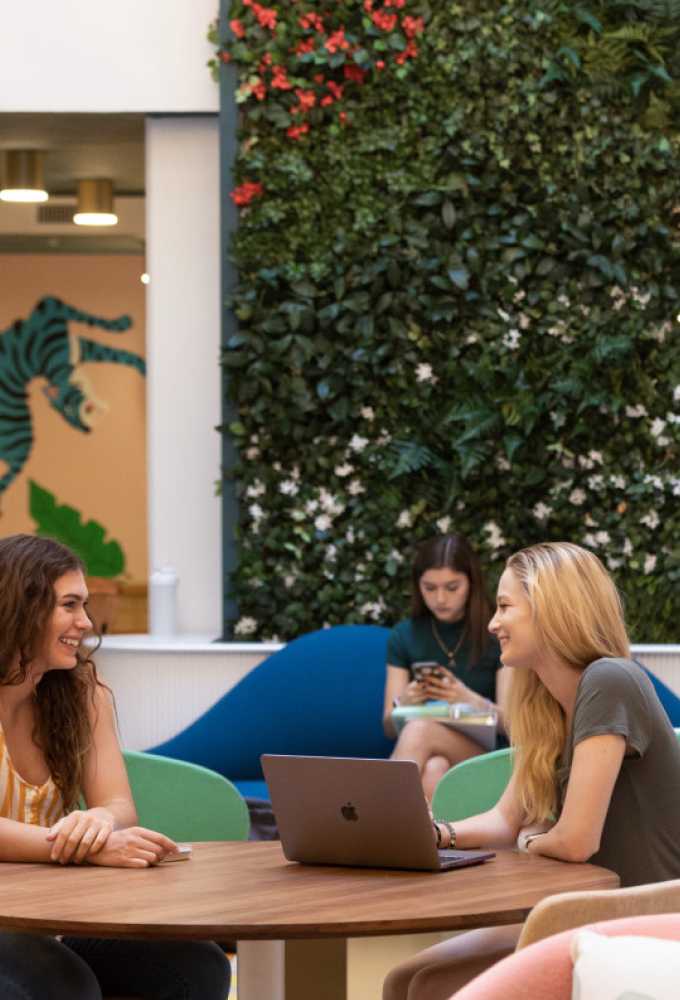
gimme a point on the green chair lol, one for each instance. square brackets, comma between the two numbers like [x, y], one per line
[473, 786]
[185, 801]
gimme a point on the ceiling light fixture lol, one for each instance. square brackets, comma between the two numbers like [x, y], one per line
[23, 176]
[95, 204]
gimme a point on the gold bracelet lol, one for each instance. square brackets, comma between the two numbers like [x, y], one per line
[452, 834]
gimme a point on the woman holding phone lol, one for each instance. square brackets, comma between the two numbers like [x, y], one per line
[596, 772]
[58, 743]
[443, 652]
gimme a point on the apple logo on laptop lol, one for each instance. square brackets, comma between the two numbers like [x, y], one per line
[349, 812]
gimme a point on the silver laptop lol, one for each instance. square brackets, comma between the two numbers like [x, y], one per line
[356, 811]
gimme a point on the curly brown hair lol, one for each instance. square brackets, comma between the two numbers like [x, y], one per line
[29, 568]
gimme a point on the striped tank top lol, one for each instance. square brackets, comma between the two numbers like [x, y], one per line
[40, 805]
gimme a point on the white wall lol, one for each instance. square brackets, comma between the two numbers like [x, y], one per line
[103, 56]
[183, 346]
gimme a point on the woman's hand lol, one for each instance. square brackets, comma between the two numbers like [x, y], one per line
[527, 834]
[446, 687]
[134, 847]
[80, 835]
[413, 694]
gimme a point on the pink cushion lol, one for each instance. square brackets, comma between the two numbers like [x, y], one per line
[543, 971]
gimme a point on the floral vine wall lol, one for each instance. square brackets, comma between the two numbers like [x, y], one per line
[459, 296]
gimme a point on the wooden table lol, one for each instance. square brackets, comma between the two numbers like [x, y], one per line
[249, 892]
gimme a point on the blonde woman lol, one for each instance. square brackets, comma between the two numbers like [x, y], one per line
[597, 764]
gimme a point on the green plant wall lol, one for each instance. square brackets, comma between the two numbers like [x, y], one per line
[459, 296]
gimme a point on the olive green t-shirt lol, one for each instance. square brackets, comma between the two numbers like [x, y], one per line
[641, 834]
[414, 641]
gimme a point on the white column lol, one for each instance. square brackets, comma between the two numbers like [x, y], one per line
[183, 345]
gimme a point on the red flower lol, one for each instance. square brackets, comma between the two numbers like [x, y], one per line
[343, 117]
[225, 57]
[296, 131]
[336, 41]
[311, 21]
[237, 28]
[260, 91]
[305, 46]
[409, 52]
[368, 6]
[335, 89]
[319, 78]
[265, 15]
[245, 193]
[412, 26]
[380, 64]
[307, 98]
[353, 72]
[387, 22]
[325, 101]
[280, 79]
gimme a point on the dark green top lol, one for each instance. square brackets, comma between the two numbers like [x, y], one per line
[413, 640]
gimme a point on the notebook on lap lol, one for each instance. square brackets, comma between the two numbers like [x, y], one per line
[358, 812]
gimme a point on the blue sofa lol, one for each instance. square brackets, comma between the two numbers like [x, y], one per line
[321, 695]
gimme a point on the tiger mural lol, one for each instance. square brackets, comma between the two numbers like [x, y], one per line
[42, 345]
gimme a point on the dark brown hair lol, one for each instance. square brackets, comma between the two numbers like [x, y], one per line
[29, 568]
[454, 552]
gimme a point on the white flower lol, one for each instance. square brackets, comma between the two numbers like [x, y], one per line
[602, 538]
[252, 454]
[613, 563]
[496, 539]
[595, 456]
[405, 520]
[642, 298]
[590, 539]
[331, 553]
[322, 522]
[245, 626]
[311, 506]
[344, 470]
[358, 443]
[373, 609]
[330, 503]
[650, 562]
[636, 411]
[367, 413]
[596, 482]
[651, 520]
[519, 295]
[585, 462]
[396, 556]
[472, 338]
[658, 427]
[618, 481]
[289, 487]
[628, 547]
[512, 339]
[288, 581]
[444, 524]
[297, 515]
[255, 490]
[673, 418]
[356, 487]
[542, 511]
[503, 315]
[676, 487]
[349, 536]
[502, 463]
[524, 321]
[255, 511]
[564, 300]
[655, 481]
[295, 472]
[577, 497]
[676, 394]
[424, 373]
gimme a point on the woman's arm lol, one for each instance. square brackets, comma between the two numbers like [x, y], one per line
[106, 790]
[594, 770]
[498, 827]
[398, 685]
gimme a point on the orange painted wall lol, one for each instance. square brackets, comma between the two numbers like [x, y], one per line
[102, 474]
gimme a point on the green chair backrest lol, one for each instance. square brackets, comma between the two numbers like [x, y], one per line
[473, 786]
[185, 801]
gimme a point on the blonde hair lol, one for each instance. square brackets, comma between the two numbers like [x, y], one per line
[578, 616]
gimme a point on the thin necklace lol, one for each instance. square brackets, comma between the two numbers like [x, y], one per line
[450, 654]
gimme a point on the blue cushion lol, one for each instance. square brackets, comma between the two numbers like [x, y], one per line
[668, 698]
[320, 695]
[253, 789]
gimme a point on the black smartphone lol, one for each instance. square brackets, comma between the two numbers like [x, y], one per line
[427, 668]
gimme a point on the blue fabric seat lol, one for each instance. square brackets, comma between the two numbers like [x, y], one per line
[668, 698]
[320, 695]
